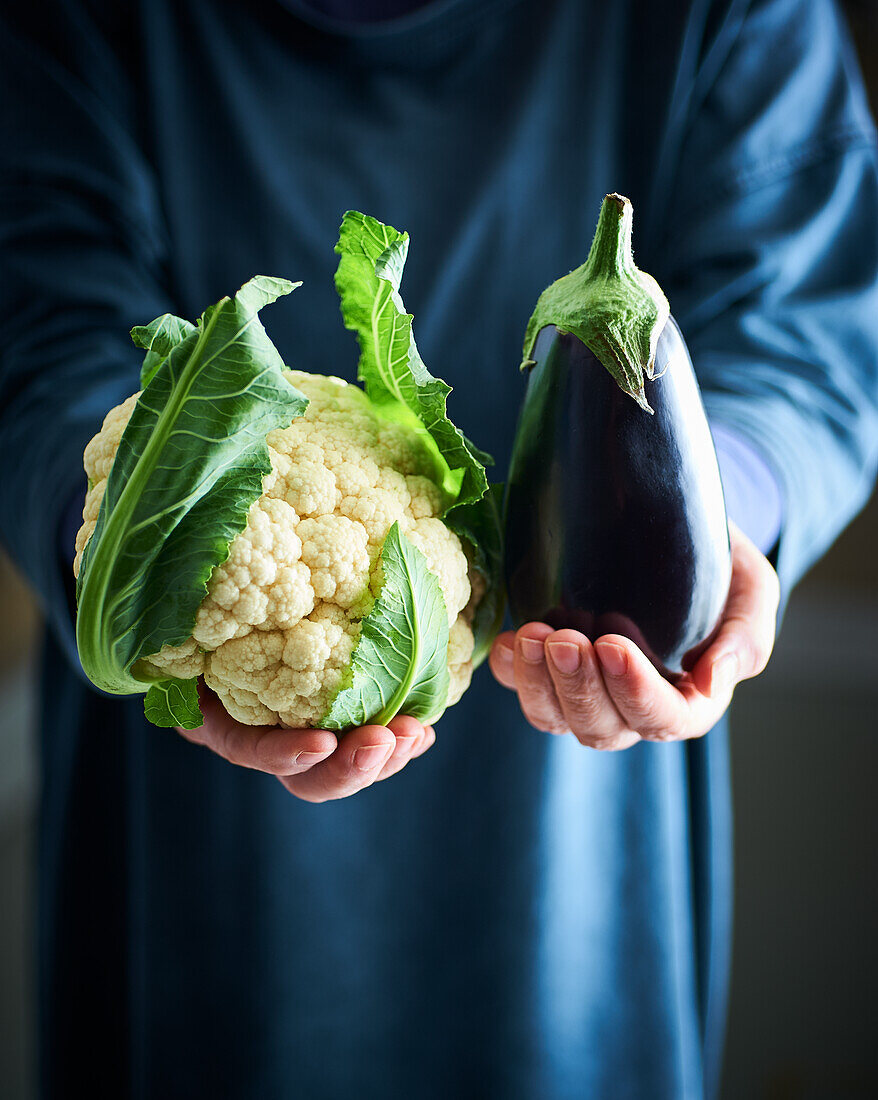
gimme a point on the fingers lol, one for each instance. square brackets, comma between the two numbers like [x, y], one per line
[536, 692]
[659, 711]
[428, 741]
[560, 688]
[363, 757]
[746, 638]
[357, 763]
[412, 739]
[270, 749]
[314, 765]
[587, 707]
[501, 658]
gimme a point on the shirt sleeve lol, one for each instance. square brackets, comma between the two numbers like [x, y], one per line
[752, 494]
[81, 255]
[770, 259]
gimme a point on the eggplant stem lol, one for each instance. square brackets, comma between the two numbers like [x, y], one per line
[614, 308]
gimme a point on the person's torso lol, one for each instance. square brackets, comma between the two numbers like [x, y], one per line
[496, 920]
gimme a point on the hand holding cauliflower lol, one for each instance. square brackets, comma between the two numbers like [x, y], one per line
[318, 554]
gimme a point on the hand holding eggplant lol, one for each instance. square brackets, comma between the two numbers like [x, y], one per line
[610, 696]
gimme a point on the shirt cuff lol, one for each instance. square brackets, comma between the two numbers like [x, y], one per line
[753, 497]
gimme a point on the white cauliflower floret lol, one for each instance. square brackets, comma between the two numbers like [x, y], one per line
[101, 451]
[425, 497]
[183, 661]
[277, 629]
[460, 666]
[445, 557]
[97, 459]
[243, 705]
[334, 549]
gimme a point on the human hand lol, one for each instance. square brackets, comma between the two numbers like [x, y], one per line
[314, 765]
[610, 696]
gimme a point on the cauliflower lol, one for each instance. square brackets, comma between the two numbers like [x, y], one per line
[275, 634]
[320, 554]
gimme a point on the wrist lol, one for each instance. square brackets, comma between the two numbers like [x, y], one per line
[752, 493]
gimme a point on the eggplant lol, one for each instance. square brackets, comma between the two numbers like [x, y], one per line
[614, 514]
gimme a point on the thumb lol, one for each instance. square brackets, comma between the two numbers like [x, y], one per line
[501, 657]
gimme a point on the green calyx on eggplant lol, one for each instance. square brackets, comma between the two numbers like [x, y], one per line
[614, 308]
[615, 517]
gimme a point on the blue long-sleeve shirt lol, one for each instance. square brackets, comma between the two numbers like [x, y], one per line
[512, 916]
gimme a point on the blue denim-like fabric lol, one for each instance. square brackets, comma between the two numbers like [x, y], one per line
[512, 916]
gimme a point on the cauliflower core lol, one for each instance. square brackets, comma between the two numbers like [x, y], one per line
[281, 619]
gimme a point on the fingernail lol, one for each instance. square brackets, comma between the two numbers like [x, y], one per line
[723, 674]
[565, 656]
[532, 650]
[613, 658]
[370, 756]
[505, 652]
[306, 759]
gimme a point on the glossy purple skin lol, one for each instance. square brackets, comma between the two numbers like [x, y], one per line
[615, 519]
